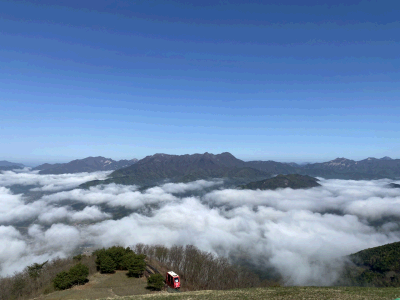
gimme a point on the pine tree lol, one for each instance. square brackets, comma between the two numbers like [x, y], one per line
[155, 281]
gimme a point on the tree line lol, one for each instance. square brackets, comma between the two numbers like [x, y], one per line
[199, 269]
[38, 278]
[120, 258]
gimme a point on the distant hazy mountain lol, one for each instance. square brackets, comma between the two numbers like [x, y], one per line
[370, 168]
[89, 164]
[4, 163]
[46, 166]
[274, 167]
[294, 181]
[183, 168]
[386, 158]
[9, 168]
[159, 167]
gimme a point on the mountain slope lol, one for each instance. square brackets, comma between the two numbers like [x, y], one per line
[183, 168]
[9, 168]
[89, 164]
[45, 166]
[378, 266]
[4, 163]
[274, 167]
[294, 181]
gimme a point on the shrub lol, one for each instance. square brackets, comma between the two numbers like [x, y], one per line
[155, 281]
[107, 265]
[62, 281]
[77, 257]
[78, 274]
[117, 253]
[135, 264]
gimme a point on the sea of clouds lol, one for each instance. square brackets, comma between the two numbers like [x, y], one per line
[302, 234]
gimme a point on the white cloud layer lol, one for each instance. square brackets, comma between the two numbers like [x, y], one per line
[303, 234]
[48, 183]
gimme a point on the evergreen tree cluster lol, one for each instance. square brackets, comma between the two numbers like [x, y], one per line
[155, 282]
[120, 258]
[76, 275]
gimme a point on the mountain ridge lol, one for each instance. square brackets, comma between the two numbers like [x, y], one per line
[5, 163]
[88, 164]
[157, 168]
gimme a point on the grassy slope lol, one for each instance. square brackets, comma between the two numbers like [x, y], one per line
[316, 293]
[103, 286]
[119, 286]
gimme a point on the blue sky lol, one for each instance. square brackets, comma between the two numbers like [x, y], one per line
[282, 80]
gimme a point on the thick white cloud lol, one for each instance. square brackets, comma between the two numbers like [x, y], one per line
[303, 234]
[14, 209]
[301, 245]
[114, 195]
[48, 183]
[360, 198]
[190, 186]
[57, 214]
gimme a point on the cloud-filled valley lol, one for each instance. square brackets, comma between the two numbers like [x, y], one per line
[302, 234]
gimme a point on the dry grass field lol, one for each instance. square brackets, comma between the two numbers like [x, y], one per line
[287, 293]
[102, 286]
[120, 287]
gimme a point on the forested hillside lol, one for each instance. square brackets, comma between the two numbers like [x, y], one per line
[378, 266]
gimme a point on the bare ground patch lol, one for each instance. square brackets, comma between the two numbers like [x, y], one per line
[103, 286]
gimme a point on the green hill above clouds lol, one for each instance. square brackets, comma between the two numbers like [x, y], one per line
[294, 181]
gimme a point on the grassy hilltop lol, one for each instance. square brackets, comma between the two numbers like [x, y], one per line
[116, 286]
[294, 181]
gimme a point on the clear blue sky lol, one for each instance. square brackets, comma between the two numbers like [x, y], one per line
[282, 80]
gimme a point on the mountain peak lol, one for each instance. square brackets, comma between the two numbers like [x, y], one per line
[386, 158]
[339, 159]
[371, 158]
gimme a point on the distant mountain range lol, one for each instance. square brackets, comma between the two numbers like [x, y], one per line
[342, 168]
[159, 168]
[184, 168]
[293, 181]
[6, 165]
[89, 164]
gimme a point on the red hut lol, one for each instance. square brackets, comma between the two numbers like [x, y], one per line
[172, 280]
